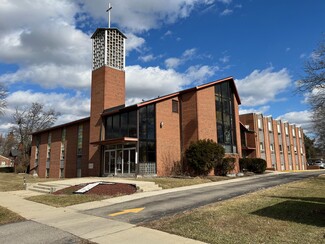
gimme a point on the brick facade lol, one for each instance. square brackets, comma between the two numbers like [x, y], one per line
[167, 137]
[107, 91]
[5, 162]
[282, 142]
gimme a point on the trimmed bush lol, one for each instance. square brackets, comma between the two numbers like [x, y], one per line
[20, 168]
[227, 165]
[202, 156]
[6, 169]
[256, 165]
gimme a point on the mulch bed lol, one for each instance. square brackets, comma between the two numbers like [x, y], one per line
[114, 189]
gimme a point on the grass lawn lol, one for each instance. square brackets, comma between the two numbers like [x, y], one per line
[6, 216]
[65, 200]
[15, 182]
[168, 182]
[291, 213]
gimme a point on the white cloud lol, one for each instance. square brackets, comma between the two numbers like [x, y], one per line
[52, 76]
[300, 118]
[70, 107]
[261, 87]
[302, 56]
[147, 58]
[134, 42]
[146, 83]
[139, 16]
[226, 12]
[199, 74]
[262, 110]
[225, 59]
[225, 1]
[151, 82]
[167, 33]
[173, 63]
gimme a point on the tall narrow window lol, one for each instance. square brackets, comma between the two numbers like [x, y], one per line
[272, 148]
[293, 132]
[286, 130]
[280, 148]
[80, 131]
[175, 106]
[299, 133]
[279, 128]
[226, 130]
[49, 138]
[63, 135]
[62, 155]
[262, 146]
[259, 123]
[147, 138]
[270, 125]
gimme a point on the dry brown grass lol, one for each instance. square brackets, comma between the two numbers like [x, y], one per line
[291, 213]
[65, 200]
[7, 216]
[15, 182]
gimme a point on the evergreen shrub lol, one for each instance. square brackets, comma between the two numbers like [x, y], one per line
[256, 165]
[203, 155]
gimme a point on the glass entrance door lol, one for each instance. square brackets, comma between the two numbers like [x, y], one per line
[120, 161]
[110, 162]
[129, 161]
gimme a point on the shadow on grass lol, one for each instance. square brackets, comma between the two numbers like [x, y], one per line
[310, 211]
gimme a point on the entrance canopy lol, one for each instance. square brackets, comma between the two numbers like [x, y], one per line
[121, 140]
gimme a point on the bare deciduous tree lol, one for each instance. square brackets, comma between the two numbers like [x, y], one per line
[314, 85]
[28, 120]
[3, 96]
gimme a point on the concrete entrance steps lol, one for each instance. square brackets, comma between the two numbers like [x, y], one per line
[46, 187]
[49, 187]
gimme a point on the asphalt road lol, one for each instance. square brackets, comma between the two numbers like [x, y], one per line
[162, 205]
[30, 232]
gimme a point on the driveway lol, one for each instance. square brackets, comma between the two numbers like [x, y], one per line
[154, 207]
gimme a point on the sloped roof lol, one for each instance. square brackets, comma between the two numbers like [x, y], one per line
[175, 94]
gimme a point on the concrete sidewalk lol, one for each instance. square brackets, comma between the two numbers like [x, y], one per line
[95, 229]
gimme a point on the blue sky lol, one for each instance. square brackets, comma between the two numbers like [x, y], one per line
[45, 50]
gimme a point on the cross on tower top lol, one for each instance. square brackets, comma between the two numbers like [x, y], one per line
[109, 15]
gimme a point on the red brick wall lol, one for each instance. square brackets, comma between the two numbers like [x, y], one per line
[6, 161]
[276, 144]
[206, 112]
[107, 91]
[293, 156]
[70, 167]
[285, 147]
[267, 143]
[189, 119]
[42, 155]
[85, 150]
[252, 141]
[167, 138]
[55, 153]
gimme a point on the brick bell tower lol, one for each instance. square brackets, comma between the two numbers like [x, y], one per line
[107, 85]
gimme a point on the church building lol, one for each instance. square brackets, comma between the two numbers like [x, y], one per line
[148, 138]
